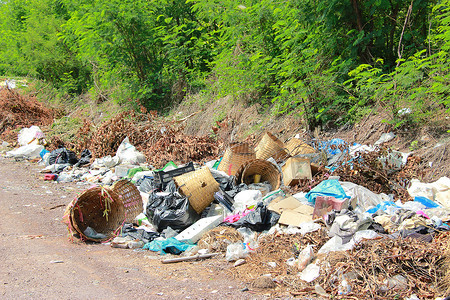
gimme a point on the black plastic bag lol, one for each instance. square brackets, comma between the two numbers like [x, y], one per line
[85, 158]
[258, 220]
[171, 210]
[146, 184]
[225, 183]
[62, 156]
[140, 234]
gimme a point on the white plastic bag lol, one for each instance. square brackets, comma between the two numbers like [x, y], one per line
[236, 251]
[365, 198]
[128, 154]
[245, 199]
[310, 273]
[27, 151]
[28, 135]
[107, 161]
[335, 243]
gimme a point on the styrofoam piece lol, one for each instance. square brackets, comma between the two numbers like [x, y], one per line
[194, 232]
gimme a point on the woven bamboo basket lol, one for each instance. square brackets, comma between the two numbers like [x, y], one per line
[199, 187]
[234, 157]
[270, 146]
[130, 197]
[99, 208]
[268, 172]
[296, 147]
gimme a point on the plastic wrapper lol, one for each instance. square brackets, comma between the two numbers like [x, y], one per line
[170, 209]
[305, 257]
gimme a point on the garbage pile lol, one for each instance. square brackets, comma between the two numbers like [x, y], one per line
[337, 220]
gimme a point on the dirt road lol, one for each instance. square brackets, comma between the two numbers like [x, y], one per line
[39, 262]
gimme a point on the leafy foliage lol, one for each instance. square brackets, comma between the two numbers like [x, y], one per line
[330, 60]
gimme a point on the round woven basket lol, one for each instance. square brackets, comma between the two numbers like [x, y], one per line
[234, 157]
[99, 208]
[270, 146]
[267, 171]
[130, 197]
[199, 187]
[296, 147]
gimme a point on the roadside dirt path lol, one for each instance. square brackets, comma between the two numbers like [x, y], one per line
[39, 262]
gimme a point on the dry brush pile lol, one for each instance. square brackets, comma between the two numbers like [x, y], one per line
[17, 111]
[159, 140]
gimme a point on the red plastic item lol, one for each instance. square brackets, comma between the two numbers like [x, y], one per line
[50, 177]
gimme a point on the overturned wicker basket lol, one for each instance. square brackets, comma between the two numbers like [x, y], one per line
[234, 157]
[270, 146]
[297, 147]
[199, 187]
[268, 172]
[99, 208]
[130, 197]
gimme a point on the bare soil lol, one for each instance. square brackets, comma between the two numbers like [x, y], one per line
[40, 262]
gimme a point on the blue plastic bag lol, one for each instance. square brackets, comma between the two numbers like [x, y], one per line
[330, 187]
[382, 206]
[427, 202]
[171, 245]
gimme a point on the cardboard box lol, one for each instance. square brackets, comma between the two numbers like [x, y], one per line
[296, 168]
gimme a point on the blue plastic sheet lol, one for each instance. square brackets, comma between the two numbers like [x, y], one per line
[332, 146]
[427, 202]
[330, 187]
[171, 245]
[382, 206]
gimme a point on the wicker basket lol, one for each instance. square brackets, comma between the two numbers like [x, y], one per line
[130, 197]
[270, 146]
[199, 187]
[268, 172]
[296, 147]
[99, 208]
[234, 157]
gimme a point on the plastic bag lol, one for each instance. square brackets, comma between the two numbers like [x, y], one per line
[171, 245]
[172, 210]
[236, 251]
[329, 187]
[336, 244]
[258, 220]
[85, 158]
[27, 151]
[107, 161]
[226, 182]
[62, 156]
[246, 199]
[29, 135]
[128, 154]
[365, 198]
[310, 273]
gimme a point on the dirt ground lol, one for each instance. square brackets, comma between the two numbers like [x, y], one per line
[40, 262]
